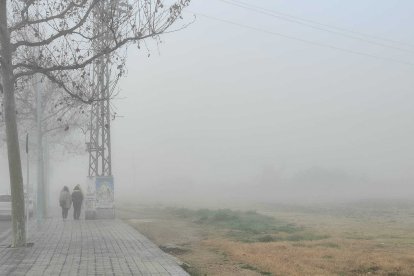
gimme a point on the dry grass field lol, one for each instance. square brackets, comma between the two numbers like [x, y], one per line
[362, 238]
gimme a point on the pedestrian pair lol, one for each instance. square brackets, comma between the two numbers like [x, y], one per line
[66, 199]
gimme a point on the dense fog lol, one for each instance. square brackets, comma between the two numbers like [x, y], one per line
[225, 112]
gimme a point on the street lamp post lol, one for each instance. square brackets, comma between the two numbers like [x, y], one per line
[27, 186]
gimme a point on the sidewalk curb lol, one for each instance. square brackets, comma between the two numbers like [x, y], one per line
[168, 255]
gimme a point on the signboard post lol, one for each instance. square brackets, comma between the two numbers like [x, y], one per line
[90, 198]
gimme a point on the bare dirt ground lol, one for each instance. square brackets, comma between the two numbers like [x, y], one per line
[357, 240]
[185, 240]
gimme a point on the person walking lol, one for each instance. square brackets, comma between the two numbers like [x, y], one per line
[77, 198]
[65, 201]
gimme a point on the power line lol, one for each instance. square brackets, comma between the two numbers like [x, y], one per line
[323, 24]
[311, 24]
[303, 40]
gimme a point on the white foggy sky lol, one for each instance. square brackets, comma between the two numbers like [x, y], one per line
[220, 102]
[217, 104]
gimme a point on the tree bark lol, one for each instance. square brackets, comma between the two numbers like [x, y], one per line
[13, 148]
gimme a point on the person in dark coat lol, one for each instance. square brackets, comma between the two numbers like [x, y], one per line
[65, 201]
[77, 198]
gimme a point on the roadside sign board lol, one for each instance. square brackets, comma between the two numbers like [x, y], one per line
[104, 190]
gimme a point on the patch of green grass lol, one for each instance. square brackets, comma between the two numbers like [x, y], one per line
[250, 221]
[249, 226]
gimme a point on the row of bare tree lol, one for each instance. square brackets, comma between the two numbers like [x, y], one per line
[57, 42]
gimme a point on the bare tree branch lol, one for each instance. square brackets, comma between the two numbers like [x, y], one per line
[26, 22]
[34, 68]
[61, 33]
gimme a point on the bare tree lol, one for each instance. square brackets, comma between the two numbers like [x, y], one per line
[50, 115]
[65, 37]
[60, 111]
[61, 114]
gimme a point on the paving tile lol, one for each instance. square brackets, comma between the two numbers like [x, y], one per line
[92, 247]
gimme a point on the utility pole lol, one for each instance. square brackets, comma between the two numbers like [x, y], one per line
[27, 186]
[46, 175]
[40, 202]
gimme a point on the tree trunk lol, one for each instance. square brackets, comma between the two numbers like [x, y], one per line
[13, 149]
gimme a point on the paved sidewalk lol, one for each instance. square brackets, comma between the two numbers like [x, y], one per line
[91, 247]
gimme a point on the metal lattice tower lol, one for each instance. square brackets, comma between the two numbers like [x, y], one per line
[100, 190]
[99, 146]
